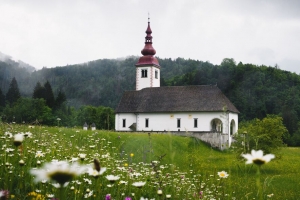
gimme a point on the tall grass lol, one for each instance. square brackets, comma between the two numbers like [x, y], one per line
[184, 168]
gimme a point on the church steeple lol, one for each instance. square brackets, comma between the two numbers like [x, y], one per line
[147, 68]
[148, 51]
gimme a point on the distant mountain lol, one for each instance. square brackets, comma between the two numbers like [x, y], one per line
[9, 60]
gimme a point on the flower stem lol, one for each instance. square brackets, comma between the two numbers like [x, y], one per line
[258, 184]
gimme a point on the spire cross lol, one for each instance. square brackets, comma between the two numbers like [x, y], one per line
[148, 17]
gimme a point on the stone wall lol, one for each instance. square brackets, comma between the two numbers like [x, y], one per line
[214, 139]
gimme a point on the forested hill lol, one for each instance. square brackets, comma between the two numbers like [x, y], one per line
[255, 90]
[100, 82]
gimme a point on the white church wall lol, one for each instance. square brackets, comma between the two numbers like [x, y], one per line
[129, 118]
[168, 121]
[155, 74]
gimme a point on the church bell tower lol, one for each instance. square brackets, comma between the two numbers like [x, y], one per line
[147, 68]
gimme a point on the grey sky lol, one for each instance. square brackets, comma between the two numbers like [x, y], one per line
[60, 32]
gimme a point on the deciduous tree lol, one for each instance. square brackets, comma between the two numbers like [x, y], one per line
[266, 134]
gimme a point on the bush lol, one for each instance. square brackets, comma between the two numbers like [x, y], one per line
[266, 134]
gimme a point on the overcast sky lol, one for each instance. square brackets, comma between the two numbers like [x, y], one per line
[60, 32]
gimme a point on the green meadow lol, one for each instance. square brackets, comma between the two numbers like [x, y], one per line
[145, 166]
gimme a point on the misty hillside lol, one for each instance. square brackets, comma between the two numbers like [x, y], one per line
[9, 60]
[99, 82]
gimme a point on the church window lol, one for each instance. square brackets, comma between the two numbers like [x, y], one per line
[146, 122]
[178, 122]
[144, 73]
[195, 122]
[156, 74]
[124, 123]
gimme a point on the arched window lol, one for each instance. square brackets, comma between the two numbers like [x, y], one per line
[232, 127]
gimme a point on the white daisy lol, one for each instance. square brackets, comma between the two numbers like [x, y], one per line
[223, 174]
[60, 172]
[39, 154]
[112, 178]
[18, 139]
[139, 184]
[95, 173]
[82, 156]
[257, 157]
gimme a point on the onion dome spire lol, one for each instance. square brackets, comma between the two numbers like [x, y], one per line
[148, 51]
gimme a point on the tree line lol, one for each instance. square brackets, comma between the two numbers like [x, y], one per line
[44, 108]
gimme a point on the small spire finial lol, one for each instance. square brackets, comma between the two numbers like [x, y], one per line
[148, 17]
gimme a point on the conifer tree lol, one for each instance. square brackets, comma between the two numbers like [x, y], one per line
[13, 93]
[2, 99]
[49, 96]
[60, 99]
[39, 91]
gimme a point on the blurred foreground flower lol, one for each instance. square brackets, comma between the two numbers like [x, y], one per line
[112, 178]
[139, 184]
[60, 172]
[18, 139]
[4, 194]
[108, 197]
[223, 174]
[257, 157]
[39, 154]
[82, 156]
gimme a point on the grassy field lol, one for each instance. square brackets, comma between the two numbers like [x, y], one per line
[184, 168]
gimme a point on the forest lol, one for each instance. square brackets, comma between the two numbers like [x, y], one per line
[89, 90]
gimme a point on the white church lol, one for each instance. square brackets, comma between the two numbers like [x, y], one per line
[197, 108]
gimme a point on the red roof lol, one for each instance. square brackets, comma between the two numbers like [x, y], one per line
[147, 60]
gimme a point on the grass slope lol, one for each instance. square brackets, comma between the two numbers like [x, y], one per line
[187, 168]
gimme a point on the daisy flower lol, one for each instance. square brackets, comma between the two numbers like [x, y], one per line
[60, 172]
[8, 134]
[18, 139]
[223, 174]
[139, 184]
[257, 157]
[95, 173]
[39, 154]
[28, 134]
[112, 178]
[82, 156]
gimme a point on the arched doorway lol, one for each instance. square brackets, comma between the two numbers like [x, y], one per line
[216, 125]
